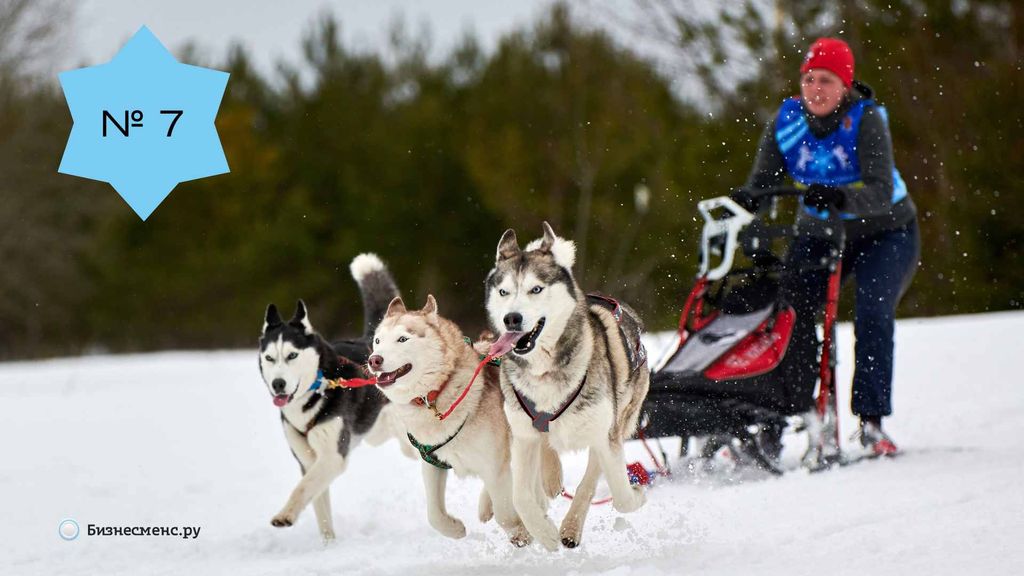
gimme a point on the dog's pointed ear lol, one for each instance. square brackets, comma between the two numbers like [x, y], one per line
[301, 318]
[549, 238]
[508, 246]
[272, 318]
[396, 307]
[562, 250]
[430, 308]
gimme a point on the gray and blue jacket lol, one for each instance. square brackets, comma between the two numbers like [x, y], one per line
[850, 149]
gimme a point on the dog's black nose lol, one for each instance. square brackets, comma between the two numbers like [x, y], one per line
[375, 361]
[278, 385]
[514, 322]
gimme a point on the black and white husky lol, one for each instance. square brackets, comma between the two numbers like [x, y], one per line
[575, 378]
[323, 424]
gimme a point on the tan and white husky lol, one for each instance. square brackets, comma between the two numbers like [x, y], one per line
[423, 364]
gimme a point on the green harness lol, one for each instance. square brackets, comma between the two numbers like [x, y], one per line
[427, 451]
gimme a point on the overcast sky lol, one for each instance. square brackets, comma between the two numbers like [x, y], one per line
[272, 29]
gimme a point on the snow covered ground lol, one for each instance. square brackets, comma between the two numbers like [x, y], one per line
[192, 439]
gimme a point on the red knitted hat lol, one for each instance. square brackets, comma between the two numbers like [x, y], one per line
[833, 55]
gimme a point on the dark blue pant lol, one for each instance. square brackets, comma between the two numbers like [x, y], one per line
[883, 265]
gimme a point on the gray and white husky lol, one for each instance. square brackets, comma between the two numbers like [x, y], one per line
[424, 365]
[576, 377]
[322, 424]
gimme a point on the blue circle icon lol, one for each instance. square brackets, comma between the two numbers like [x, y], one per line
[68, 529]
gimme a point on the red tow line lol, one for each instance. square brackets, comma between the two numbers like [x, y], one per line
[352, 382]
[465, 391]
[360, 382]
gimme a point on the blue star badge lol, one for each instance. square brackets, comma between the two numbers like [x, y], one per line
[143, 122]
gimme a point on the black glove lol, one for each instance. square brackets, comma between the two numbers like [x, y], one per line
[824, 197]
[747, 199]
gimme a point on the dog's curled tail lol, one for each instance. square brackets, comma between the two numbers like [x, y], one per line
[377, 287]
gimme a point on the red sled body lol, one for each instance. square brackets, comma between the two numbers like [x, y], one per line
[730, 371]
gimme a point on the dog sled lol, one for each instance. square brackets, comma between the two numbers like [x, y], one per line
[725, 384]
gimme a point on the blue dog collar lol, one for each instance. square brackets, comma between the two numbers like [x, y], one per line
[316, 383]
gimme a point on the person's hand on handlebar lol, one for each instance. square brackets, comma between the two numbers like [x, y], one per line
[824, 197]
[747, 199]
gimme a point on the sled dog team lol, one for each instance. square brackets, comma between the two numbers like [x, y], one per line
[572, 375]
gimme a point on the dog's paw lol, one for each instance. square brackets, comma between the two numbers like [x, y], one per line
[449, 526]
[571, 532]
[327, 536]
[282, 520]
[519, 536]
[638, 498]
[485, 509]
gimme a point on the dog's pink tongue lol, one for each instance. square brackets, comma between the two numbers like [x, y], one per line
[505, 343]
[280, 400]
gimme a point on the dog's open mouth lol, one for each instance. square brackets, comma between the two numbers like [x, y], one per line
[518, 342]
[281, 399]
[386, 379]
[526, 343]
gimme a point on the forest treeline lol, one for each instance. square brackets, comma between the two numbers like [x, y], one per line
[426, 160]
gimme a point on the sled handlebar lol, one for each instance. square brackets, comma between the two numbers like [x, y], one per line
[775, 192]
[720, 235]
[833, 223]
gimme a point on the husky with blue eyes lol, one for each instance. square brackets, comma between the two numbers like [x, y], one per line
[425, 366]
[322, 424]
[574, 377]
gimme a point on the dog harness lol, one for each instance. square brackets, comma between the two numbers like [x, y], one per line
[542, 420]
[637, 354]
[427, 451]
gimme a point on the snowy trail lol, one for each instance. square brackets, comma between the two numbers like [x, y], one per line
[192, 439]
